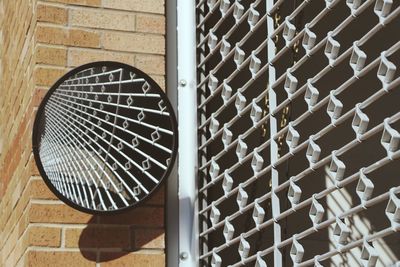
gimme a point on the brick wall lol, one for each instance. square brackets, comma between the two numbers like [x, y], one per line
[39, 41]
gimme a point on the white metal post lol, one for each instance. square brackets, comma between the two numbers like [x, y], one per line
[187, 121]
[273, 131]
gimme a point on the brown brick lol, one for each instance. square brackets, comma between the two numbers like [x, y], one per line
[33, 170]
[149, 238]
[51, 55]
[47, 76]
[17, 252]
[141, 216]
[83, 38]
[160, 80]
[103, 19]
[98, 236]
[10, 243]
[134, 42]
[115, 259]
[50, 35]
[23, 224]
[38, 96]
[70, 37]
[44, 236]
[158, 198]
[78, 56]
[153, 6]
[39, 190]
[151, 64]
[57, 15]
[150, 23]
[56, 213]
[78, 2]
[60, 259]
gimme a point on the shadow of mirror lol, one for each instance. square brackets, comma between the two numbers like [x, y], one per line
[107, 238]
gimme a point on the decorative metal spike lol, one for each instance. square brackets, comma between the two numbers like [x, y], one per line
[309, 39]
[256, 162]
[357, 59]
[214, 214]
[255, 64]
[155, 136]
[146, 164]
[228, 231]
[241, 148]
[146, 87]
[240, 102]
[316, 211]
[292, 137]
[244, 247]
[214, 169]
[290, 83]
[369, 255]
[212, 40]
[360, 121]
[294, 193]
[226, 92]
[216, 260]
[313, 151]
[289, 31]
[214, 125]
[365, 187]
[225, 48]
[212, 83]
[341, 232]
[337, 167]
[258, 213]
[296, 251]
[226, 136]
[256, 112]
[242, 197]
[390, 138]
[224, 6]
[334, 108]
[382, 8]
[238, 11]
[311, 95]
[259, 261]
[141, 116]
[393, 209]
[386, 70]
[239, 56]
[331, 49]
[253, 17]
[227, 182]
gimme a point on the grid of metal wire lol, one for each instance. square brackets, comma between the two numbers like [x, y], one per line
[298, 110]
[105, 137]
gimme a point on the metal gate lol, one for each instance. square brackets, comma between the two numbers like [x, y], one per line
[297, 129]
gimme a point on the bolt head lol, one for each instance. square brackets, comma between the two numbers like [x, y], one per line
[182, 82]
[184, 255]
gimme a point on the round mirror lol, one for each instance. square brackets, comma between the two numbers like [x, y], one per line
[104, 137]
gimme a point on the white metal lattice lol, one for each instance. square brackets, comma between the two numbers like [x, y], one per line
[298, 131]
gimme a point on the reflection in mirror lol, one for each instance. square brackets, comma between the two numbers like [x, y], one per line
[104, 137]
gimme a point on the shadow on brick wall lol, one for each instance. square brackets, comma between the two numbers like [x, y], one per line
[109, 237]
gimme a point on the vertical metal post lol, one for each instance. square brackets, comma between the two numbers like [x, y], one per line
[273, 130]
[172, 213]
[187, 121]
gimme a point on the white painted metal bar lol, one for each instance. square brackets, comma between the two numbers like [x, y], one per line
[108, 132]
[187, 121]
[98, 165]
[113, 147]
